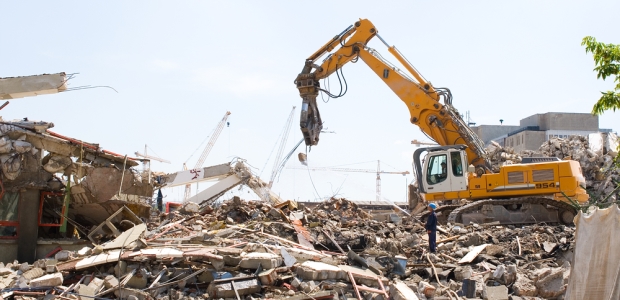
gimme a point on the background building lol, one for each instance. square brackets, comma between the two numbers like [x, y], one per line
[536, 129]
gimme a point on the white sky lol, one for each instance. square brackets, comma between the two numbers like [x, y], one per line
[178, 67]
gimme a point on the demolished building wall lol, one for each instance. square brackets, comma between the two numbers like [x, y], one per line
[36, 161]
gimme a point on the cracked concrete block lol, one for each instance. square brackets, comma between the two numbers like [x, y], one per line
[6, 271]
[130, 293]
[474, 240]
[25, 267]
[63, 255]
[225, 289]
[494, 250]
[552, 285]
[87, 291]
[33, 273]
[308, 286]
[55, 279]
[314, 270]
[295, 282]
[232, 261]
[495, 293]
[363, 276]
[499, 271]
[137, 281]
[122, 266]
[96, 283]
[266, 260]
[462, 272]
[524, 287]
[7, 281]
[268, 277]
[110, 281]
[85, 251]
[302, 255]
[400, 291]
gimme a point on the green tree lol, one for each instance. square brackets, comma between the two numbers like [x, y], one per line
[607, 64]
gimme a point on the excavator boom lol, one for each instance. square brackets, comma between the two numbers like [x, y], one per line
[441, 122]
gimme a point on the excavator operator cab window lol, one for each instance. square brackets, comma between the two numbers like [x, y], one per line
[457, 165]
[437, 170]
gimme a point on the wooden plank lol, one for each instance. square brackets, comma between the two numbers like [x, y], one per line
[472, 254]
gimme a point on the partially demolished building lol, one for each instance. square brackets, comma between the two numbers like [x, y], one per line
[41, 169]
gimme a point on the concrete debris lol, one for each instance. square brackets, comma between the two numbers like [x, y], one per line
[249, 250]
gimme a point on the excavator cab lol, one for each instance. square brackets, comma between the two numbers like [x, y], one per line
[443, 169]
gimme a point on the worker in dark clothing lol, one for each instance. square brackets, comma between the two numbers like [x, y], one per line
[431, 227]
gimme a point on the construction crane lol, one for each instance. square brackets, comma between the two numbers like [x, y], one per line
[146, 162]
[150, 157]
[205, 152]
[276, 161]
[378, 172]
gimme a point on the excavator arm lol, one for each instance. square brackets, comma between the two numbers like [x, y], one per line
[441, 122]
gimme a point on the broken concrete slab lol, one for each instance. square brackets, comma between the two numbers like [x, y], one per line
[98, 259]
[524, 287]
[6, 271]
[228, 288]
[268, 277]
[86, 291]
[126, 293]
[400, 291]
[552, 284]
[55, 279]
[495, 293]
[266, 260]
[363, 276]
[110, 281]
[314, 270]
[469, 257]
[126, 238]
[33, 273]
[28, 86]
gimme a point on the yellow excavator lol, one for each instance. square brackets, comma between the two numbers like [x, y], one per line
[536, 190]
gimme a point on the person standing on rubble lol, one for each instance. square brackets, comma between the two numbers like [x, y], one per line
[431, 227]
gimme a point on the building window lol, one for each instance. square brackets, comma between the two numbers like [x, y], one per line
[8, 216]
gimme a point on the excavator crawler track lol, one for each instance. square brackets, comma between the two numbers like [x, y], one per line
[514, 211]
[442, 213]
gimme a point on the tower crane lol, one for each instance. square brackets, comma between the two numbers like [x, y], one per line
[276, 161]
[150, 157]
[205, 152]
[378, 172]
[146, 162]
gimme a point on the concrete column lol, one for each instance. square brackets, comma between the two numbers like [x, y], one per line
[28, 225]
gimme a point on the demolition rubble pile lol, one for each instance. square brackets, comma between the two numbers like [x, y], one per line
[595, 154]
[251, 250]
